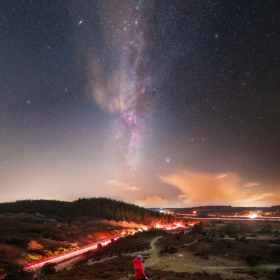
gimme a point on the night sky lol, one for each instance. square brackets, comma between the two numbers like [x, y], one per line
[158, 103]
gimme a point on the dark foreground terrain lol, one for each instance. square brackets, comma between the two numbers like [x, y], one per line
[221, 251]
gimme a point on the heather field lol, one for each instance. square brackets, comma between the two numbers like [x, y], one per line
[221, 251]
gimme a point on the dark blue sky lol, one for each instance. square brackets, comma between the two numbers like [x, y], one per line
[144, 101]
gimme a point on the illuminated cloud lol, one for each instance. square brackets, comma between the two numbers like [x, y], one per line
[205, 189]
[251, 184]
[249, 196]
[123, 185]
[220, 176]
[154, 201]
[184, 198]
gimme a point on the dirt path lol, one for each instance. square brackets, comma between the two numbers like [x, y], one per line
[130, 254]
[154, 253]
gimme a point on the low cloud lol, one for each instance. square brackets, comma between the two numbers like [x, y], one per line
[123, 185]
[154, 201]
[208, 189]
[251, 184]
[221, 176]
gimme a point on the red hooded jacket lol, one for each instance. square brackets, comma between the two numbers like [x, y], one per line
[139, 269]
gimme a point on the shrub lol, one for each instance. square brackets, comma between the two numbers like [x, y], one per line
[58, 236]
[15, 241]
[178, 236]
[277, 271]
[230, 232]
[197, 228]
[233, 235]
[230, 245]
[74, 247]
[172, 250]
[253, 235]
[201, 254]
[46, 235]
[222, 235]
[253, 260]
[203, 233]
[62, 250]
[190, 233]
[34, 245]
[202, 249]
[33, 257]
[49, 268]
[3, 251]
[119, 255]
[276, 252]
[16, 272]
[165, 250]
[207, 240]
[230, 229]
[242, 239]
[37, 230]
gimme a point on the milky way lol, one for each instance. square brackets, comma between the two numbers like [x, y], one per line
[128, 88]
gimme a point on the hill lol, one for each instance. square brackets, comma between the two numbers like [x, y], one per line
[91, 208]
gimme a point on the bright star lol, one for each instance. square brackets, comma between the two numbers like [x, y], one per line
[80, 22]
[168, 160]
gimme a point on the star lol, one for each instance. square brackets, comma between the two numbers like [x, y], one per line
[80, 22]
[168, 160]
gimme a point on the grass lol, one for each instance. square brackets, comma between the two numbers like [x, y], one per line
[217, 258]
[130, 244]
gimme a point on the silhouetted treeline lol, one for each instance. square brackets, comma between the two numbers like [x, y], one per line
[90, 208]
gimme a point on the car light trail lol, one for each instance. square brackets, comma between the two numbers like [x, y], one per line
[37, 265]
[176, 225]
[69, 255]
[244, 218]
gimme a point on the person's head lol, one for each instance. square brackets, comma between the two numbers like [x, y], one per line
[139, 257]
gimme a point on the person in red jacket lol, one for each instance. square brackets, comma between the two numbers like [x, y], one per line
[139, 269]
